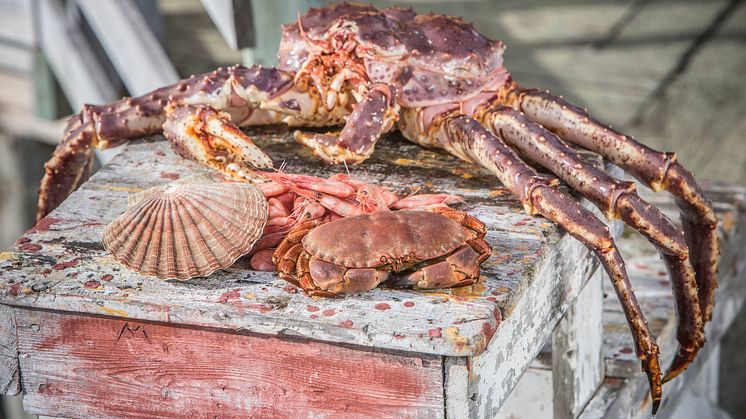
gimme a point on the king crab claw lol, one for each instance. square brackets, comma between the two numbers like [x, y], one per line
[442, 84]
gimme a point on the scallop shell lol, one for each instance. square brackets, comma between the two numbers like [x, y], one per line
[191, 227]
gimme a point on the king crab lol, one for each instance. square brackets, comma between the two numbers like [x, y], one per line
[443, 85]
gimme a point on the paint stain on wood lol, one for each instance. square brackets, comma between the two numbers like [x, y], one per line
[347, 324]
[435, 333]
[228, 296]
[64, 265]
[262, 308]
[382, 306]
[44, 224]
[92, 284]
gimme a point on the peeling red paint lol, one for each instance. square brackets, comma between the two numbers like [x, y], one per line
[398, 336]
[408, 304]
[13, 289]
[382, 306]
[626, 350]
[262, 308]
[23, 240]
[49, 389]
[170, 175]
[488, 331]
[88, 347]
[312, 309]
[107, 277]
[46, 271]
[92, 284]
[44, 224]
[64, 265]
[435, 333]
[30, 247]
[314, 316]
[290, 289]
[329, 312]
[229, 296]
[491, 299]
[347, 324]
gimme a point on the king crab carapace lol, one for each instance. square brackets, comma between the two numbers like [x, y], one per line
[443, 85]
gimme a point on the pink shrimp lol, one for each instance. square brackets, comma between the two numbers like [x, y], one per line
[277, 209]
[332, 203]
[426, 199]
[271, 189]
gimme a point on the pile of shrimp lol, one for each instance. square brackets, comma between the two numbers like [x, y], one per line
[296, 198]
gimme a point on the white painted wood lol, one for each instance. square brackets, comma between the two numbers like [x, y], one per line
[562, 387]
[577, 356]
[9, 372]
[532, 397]
[74, 63]
[521, 336]
[457, 378]
[130, 44]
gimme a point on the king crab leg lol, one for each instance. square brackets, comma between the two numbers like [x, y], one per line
[616, 199]
[466, 138]
[656, 169]
[250, 95]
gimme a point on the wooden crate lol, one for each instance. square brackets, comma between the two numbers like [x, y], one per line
[84, 337]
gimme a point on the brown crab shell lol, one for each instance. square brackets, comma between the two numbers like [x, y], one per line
[377, 239]
[190, 227]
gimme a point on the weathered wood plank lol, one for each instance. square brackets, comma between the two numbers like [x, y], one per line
[79, 72]
[234, 20]
[10, 383]
[124, 33]
[577, 356]
[61, 265]
[85, 366]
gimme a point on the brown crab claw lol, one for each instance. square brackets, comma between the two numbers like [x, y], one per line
[207, 136]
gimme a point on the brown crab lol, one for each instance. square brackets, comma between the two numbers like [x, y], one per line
[442, 84]
[418, 249]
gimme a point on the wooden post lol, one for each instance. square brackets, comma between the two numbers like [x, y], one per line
[577, 352]
[562, 380]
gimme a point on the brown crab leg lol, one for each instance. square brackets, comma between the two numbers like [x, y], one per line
[467, 139]
[371, 117]
[658, 170]
[238, 90]
[617, 199]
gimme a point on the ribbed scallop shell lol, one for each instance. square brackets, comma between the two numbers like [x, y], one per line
[191, 227]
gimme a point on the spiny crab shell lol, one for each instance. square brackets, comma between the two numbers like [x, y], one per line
[430, 59]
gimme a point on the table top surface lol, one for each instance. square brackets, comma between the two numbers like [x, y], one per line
[60, 264]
